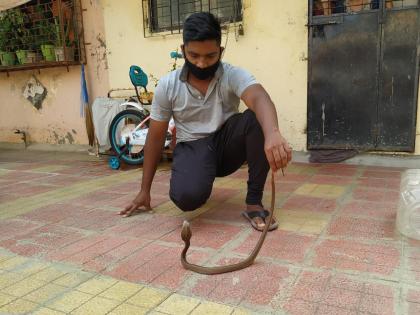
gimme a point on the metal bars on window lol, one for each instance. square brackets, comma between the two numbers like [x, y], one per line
[41, 34]
[329, 7]
[167, 16]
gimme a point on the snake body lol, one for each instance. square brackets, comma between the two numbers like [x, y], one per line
[186, 236]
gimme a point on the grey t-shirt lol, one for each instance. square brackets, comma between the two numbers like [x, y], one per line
[197, 116]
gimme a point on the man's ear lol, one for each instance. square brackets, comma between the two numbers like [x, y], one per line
[222, 50]
[182, 50]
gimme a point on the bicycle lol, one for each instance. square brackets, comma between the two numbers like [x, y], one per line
[128, 129]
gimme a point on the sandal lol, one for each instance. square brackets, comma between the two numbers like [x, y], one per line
[251, 215]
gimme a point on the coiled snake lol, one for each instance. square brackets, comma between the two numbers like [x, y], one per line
[186, 236]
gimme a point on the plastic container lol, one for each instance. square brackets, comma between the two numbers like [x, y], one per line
[408, 215]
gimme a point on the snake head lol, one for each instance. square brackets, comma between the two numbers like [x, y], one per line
[186, 232]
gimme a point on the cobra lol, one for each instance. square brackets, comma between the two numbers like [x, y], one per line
[186, 237]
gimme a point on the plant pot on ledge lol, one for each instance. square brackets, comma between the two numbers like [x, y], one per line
[7, 58]
[48, 52]
[64, 53]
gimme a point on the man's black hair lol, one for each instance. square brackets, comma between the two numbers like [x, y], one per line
[200, 27]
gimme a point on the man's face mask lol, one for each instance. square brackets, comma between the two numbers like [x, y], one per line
[202, 73]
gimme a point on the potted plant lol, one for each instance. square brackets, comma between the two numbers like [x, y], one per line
[7, 41]
[47, 34]
[64, 49]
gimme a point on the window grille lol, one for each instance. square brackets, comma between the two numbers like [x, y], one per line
[167, 16]
[329, 7]
[41, 34]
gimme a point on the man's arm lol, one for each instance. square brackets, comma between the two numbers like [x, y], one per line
[276, 147]
[152, 153]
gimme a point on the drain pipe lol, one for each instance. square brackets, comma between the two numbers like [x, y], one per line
[23, 133]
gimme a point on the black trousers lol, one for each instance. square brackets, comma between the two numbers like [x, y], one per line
[197, 163]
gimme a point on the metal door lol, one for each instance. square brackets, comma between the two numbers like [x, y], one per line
[363, 75]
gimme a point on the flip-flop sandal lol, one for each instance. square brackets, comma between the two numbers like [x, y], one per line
[250, 215]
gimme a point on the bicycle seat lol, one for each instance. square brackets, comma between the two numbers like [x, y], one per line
[138, 77]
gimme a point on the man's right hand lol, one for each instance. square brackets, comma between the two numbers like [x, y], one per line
[142, 200]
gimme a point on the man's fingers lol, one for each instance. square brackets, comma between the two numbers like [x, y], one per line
[278, 160]
[271, 160]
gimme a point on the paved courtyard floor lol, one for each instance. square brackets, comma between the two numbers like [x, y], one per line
[64, 249]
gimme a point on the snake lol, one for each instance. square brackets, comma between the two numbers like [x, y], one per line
[186, 237]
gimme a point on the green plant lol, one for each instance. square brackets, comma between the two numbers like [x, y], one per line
[6, 36]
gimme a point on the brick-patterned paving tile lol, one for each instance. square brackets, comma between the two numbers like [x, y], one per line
[100, 248]
[110, 258]
[24, 249]
[300, 307]
[361, 228]
[255, 285]
[283, 186]
[413, 296]
[206, 234]
[55, 212]
[310, 204]
[51, 236]
[279, 245]
[382, 173]
[331, 180]
[225, 212]
[338, 170]
[74, 248]
[352, 255]
[339, 294]
[378, 210]
[20, 176]
[370, 194]
[26, 189]
[13, 227]
[413, 308]
[150, 227]
[389, 183]
[377, 305]
[173, 276]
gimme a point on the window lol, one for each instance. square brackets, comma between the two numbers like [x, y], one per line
[168, 15]
[41, 34]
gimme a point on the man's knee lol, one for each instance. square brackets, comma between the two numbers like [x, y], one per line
[189, 199]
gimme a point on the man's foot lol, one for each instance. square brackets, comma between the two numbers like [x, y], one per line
[257, 215]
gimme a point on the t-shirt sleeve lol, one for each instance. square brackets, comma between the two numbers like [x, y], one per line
[161, 105]
[240, 79]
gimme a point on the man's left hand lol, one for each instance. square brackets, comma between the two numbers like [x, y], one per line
[277, 150]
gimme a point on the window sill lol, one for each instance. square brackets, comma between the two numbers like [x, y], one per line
[41, 65]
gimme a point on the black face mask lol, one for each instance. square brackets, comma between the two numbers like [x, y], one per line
[202, 73]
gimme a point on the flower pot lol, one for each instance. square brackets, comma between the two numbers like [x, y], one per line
[64, 53]
[31, 57]
[25, 56]
[7, 58]
[21, 56]
[48, 52]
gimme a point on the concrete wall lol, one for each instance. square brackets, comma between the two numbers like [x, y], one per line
[58, 121]
[274, 49]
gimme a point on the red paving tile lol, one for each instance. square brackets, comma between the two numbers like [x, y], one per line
[331, 180]
[298, 202]
[352, 255]
[372, 194]
[361, 228]
[257, 284]
[377, 209]
[279, 245]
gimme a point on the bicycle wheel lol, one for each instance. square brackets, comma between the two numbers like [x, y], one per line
[123, 141]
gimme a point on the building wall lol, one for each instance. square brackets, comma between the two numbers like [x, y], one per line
[59, 120]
